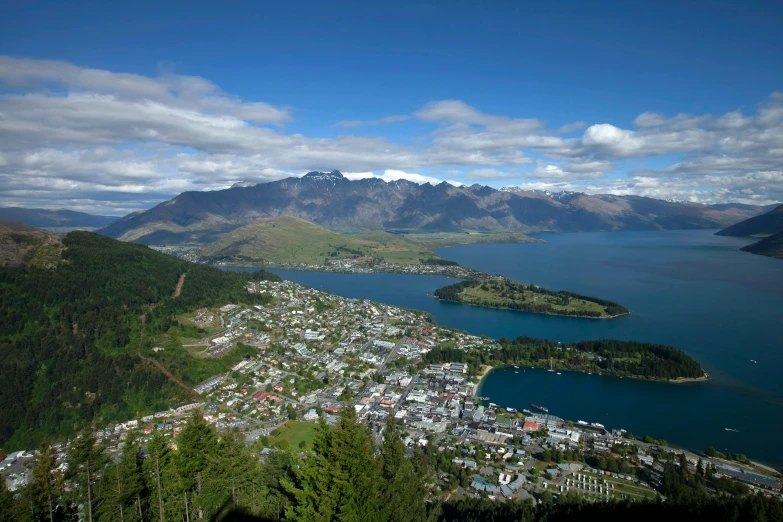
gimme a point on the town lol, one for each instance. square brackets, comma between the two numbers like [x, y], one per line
[315, 354]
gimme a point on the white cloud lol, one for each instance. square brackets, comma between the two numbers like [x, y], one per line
[394, 175]
[101, 140]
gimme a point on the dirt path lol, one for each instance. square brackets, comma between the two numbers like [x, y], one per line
[179, 286]
[159, 366]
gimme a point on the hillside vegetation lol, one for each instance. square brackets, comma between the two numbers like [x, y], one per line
[293, 240]
[343, 476]
[70, 336]
[771, 246]
[502, 293]
[610, 356]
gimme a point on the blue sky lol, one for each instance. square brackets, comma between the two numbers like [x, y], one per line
[111, 108]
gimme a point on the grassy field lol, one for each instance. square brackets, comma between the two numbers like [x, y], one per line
[507, 294]
[293, 240]
[303, 431]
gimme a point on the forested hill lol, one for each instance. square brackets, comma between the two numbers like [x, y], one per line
[69, 335]
[771, 246]
[625, 358]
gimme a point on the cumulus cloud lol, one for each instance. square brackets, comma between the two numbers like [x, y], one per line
[394, 175]
[113, 142]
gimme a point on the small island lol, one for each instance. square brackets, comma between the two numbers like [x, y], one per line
[499, 292]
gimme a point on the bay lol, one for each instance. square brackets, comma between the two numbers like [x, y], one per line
[690, 289]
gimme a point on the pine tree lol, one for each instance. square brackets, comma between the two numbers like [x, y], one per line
[86, 461]
[229, 477]
[403, 496]
[357, 473]
[154, 466]
[311, 489]
[46, 488]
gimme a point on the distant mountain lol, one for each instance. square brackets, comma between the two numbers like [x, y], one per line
[39, 217]
[763, 225]
[22, 244]
[337, 203]
[771, 246]
[293, 240]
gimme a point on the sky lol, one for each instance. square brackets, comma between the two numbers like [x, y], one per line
[113, 107]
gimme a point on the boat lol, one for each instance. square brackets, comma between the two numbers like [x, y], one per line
[597, 425]
[559, 373]
[516, 372]
[550, 365]
[515, 366]
[527, 412]
[581, 423]
[753, 361]
[731, 429]
[539, 407]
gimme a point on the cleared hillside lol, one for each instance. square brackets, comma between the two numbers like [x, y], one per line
[292, 240]
[21, 244]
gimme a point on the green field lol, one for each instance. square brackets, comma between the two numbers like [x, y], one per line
[302, 431]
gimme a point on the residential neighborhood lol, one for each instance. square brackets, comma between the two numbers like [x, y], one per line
[315, 354]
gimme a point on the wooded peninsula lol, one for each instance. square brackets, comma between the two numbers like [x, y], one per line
[607, 356]
[499, 292]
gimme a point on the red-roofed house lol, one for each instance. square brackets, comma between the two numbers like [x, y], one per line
[530, 426]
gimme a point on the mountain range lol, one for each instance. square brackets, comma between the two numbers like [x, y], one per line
[63, 218]
[337, 203]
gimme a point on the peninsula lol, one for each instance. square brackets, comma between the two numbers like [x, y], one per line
[500, 292]
[633, 359]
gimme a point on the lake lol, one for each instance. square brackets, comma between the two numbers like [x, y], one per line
[690, 289]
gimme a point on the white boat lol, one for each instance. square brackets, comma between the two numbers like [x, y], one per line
[559, 373]
[753, 361]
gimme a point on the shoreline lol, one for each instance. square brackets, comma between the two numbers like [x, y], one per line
[679, 380]
[537, 313]
[483, 375]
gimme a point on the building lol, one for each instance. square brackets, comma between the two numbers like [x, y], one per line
[185, 406]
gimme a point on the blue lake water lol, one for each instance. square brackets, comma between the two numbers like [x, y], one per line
[690, 289]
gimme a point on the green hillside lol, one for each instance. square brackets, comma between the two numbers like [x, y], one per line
[293, 240]
[757, 226]
[771, 246]
[70, 336]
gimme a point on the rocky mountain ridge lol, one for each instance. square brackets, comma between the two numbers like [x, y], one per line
[335, 202]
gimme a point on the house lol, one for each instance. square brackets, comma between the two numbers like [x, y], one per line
[530, 426]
